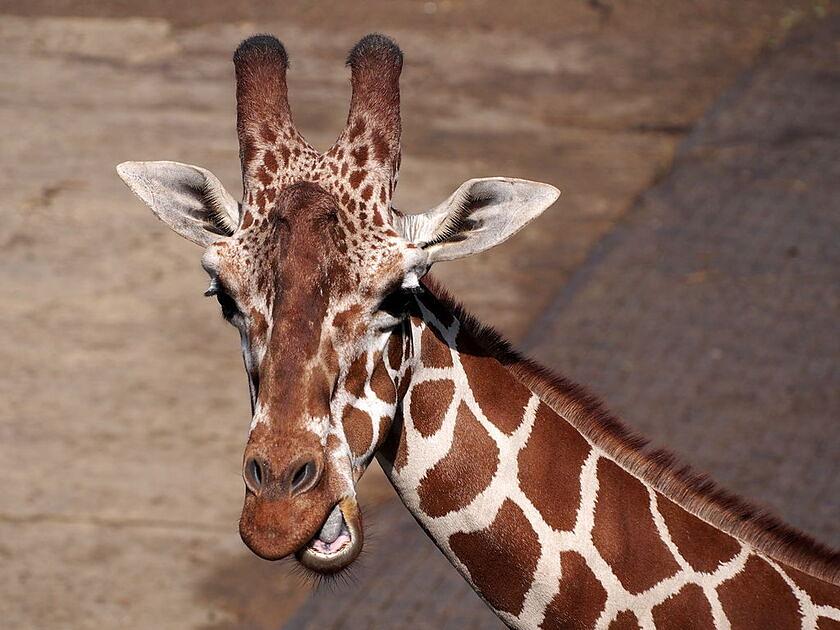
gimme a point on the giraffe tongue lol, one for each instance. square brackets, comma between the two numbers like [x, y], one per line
[332, 527]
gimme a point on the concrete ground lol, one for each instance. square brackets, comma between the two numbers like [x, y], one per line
[124, 404]
[709, 318]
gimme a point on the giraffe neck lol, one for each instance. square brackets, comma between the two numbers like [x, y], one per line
[547, 527]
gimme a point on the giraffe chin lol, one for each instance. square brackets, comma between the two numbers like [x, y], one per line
[331, 552]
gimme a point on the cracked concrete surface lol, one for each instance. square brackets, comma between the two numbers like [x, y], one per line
[124, 403]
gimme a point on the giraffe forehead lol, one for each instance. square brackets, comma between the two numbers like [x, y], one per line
[329, 251]
[343, 261]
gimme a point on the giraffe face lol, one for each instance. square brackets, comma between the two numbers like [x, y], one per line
[314, 303]
[316, 269]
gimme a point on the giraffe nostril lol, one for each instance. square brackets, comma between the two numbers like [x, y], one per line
[254, 475]
[305, 477]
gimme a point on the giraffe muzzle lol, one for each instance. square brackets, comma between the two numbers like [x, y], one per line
[338, 542]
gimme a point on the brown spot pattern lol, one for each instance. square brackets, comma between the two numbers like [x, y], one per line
[704, 547]
[358, 428]
[758, 597]
[360, 155]
[346, 317]
[356, 178]
[487, 377]
[580, 599]
[381, 383]
[249, 150]
[434, 352]
[270, 161]
[268, 134]
[261, 199]
[624, 532]
[357, 376]
[264, 176]
[356, 129]
[625, 620]
[460, 476]
[429, 402]
[689, 608]
[550, 480]
[395, 351]
[502, 558]
[380, 147]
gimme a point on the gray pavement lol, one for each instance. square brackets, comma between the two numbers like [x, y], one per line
[707, 319]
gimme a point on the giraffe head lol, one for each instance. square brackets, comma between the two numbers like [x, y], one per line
[316, 270]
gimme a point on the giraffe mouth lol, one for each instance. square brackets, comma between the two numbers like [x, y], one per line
[337, 543]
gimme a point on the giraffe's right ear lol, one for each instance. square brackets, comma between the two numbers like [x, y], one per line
[189, 199]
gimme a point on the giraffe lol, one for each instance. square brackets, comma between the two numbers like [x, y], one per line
[555, 513]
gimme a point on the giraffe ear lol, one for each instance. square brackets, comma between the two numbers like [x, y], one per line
[480, 214]
[189, 199]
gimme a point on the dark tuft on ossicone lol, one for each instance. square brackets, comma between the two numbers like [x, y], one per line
[376, 48]
[263, 46]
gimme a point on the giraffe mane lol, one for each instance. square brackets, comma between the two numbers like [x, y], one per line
[694, 491]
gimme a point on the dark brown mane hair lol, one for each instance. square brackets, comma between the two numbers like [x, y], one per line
[693, 491]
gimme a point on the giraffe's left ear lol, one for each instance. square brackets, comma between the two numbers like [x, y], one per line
[480, 214]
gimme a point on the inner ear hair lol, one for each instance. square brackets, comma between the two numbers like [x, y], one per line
[217, 215]
[457, 222]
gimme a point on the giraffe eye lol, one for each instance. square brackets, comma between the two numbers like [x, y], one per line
[229, 308]
[228, 304]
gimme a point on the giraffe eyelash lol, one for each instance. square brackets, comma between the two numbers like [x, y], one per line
[229, 307]
[212, 289]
